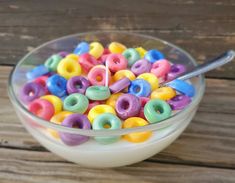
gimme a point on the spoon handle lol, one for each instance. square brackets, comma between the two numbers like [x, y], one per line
[210, 65]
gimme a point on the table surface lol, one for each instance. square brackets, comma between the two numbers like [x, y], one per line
[205, 152]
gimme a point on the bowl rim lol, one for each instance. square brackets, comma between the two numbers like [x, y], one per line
[91, 132]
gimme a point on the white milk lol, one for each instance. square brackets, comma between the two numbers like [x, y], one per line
[93, 154]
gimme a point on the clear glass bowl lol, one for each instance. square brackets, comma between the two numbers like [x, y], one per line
[91, 153]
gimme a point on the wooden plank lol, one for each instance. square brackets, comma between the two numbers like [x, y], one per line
[26, 166]
[202, 28]
[208, 141]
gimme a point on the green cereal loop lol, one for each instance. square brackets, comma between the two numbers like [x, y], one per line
[98, 92]
[52, 62]
[76, 102]
[157, 110]
[107, 119]
[131, 55]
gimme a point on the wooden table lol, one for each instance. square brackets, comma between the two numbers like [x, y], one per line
[205, 152]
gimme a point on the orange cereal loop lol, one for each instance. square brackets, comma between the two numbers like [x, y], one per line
[136, 137]
[58, 119]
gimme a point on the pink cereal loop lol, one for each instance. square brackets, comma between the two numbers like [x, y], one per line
[42, 108]
[161, 68]
[116, 62]
[42, 81]
[97, 75]
[87, 61]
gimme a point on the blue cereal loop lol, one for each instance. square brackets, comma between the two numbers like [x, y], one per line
[82, 48]
[56, 84]
[182, 87]
[37, 72]
[140, 88]
[153, 56]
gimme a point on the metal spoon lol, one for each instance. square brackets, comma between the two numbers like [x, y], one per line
[207, 66]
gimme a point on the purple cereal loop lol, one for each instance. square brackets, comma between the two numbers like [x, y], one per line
[127, 106]
[63, 53]
[50, 74]
[175, 70]
[77, 84]
[141, 66]
[120, 85]
[31, 91]
[72, 121]
[179, 102]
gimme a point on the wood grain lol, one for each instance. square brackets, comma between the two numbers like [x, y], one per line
[26, 166]
[202, 28]
[205, 152]
[208, 141]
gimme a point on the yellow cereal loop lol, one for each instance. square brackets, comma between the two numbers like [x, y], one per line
[113, 98]
[116, 47]
[99, 109]
[96, 49]
[58, 119]
[164, 93]
[151, 78]
[136, 137]
[55, 101]
[73, 56]
[141, 51]
[69, 68]
[123, 73]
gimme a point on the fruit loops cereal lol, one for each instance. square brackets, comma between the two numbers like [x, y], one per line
[105, 88]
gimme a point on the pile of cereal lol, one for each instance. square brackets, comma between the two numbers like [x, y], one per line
[105, 88]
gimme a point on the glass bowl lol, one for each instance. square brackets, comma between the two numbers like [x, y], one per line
[91, 153]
